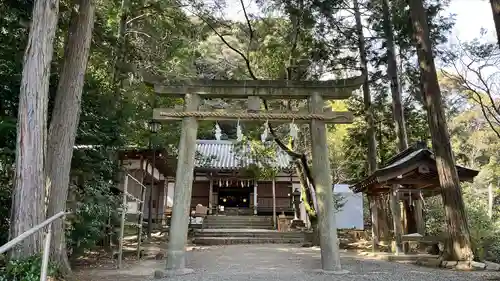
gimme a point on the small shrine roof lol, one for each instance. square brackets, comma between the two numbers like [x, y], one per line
[413, 168]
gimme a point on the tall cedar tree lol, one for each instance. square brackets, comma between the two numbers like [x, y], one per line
[458, 246]
[64, 121]
[375, 203]
[29, 187]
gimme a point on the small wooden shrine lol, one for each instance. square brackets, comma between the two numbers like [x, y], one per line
[410, 176]
[414, 170]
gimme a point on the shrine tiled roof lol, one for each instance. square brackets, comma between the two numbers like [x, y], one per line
[229, 155]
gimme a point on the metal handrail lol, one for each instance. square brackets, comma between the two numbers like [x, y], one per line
[46, 249]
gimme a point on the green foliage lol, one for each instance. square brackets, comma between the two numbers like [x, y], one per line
[485, 231]
[338, 202]
[94, 198]
[435, 223]
[6, 160]
[25, 270]
[262, 156]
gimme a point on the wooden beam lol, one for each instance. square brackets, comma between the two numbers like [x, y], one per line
[425, 181]
[337, 117]
[271, 89]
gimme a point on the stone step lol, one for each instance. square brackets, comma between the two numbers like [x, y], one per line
[236, 222]
[237, 226]
[238, 218]
[247, 233]
[245, 240]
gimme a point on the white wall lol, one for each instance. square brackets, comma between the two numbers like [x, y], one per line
[351, 214]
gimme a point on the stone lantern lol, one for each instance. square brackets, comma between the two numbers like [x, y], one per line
[297, 222]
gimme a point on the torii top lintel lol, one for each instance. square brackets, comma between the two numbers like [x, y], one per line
[275, 89]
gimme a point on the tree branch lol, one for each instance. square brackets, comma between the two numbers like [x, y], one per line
[294, 155]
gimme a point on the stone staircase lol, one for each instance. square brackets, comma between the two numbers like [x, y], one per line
[227, 230]
[238, 222]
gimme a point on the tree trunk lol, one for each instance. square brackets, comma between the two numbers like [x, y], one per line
[495, 9]
[64, 122]
[459, 244]
[375, 202]
[28, 196]
[392, 72]
[397, 106]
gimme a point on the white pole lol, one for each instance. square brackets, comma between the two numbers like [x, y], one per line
[46, 254]
[122, 222]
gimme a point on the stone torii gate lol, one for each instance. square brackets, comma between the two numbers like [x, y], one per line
[194, 90]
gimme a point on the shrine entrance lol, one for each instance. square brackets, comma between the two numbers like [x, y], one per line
[234, 197]
[317, 116]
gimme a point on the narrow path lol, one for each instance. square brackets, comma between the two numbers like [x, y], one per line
[284, 262]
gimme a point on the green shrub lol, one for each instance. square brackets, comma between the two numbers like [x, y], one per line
[25, 270]
[485, 234]
[94, 200]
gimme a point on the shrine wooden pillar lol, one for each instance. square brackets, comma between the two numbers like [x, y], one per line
[374, 218]
[275, 223]
[210, 195]
[396, 218]
[419, 216]
[176, 261]
[255, 203]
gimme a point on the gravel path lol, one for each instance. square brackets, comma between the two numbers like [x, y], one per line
[288, 263]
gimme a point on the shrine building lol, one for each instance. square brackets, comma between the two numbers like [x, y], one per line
[221, 181]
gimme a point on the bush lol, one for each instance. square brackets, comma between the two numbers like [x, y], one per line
[435, 223]
[485, 233]
[25, 270]
[94, 200]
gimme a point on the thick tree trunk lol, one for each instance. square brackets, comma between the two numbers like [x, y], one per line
[495, 9]
[65, 118]
[379, 223]
[29, 190]
[459, 244]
